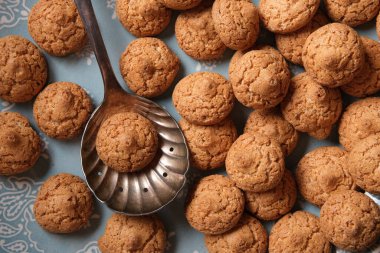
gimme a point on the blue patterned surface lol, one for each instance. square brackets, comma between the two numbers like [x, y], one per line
[18, 229]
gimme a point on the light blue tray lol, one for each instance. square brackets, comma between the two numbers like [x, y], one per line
[18, 230]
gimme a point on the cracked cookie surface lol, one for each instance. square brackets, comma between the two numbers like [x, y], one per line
[181, 4]
[64, 204]
[23, 69]
[62, 109]
[148, 66]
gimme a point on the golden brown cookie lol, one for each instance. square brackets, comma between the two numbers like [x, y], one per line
[352, 13]
[271, 123]
[248, 236]
[133, 234]
[203, 98]
[286, 16]
[64, 204]
[290, 45]
[298, 232]
[62, 109]
[23, 69]
[20, 145]
[378, 25]
[360, 120]
[311, 107]
[181, 4]
[350, 220]
[148, 66]
[196, 34]
[127, 142]
[273, 204]
[237, 23]
[55, 25]
[363, 163]
[215, 205]
[367, 82]
[260, 79]
[208, 145]
[143, 17]
[255, 162]
[322, 172]
[333, 55]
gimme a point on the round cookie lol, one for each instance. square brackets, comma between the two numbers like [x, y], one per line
[360, 120]
[62, 109]
[322, 172]
[237, 23]
[127, 142]
[139, 234]
[298, 232]
[287, 16]
[148, 66]
[378, 25]
[290, 45]
[273, 204]
[23, 69]
[64, 204]
[352, 13]
[196, 34]
[215, 205]
[333, 55]
[181, 4]
[255, 162]
[248, 236]
[350, 220]
[368, 81]
[55, 25]
[271, 123]
[208, 145]
[311, 107]
[363, 163]
[260, 79]
[143, 17]
[203, 98]
[20, 145]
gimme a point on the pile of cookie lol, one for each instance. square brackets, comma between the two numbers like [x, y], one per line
[335, 59]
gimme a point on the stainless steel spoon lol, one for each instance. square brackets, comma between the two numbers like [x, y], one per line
[157, 185]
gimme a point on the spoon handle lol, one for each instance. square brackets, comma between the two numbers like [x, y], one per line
[87, 14]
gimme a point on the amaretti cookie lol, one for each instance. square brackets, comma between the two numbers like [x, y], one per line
[203, 98]
[208, 145]
[333, 55]
[352, 13]
[248, 235]
[148, 66]
[290, 45]
[261, 79]
[133, 234]
[272, 204]
[143, 17]
[298, 232]
[287, 16]
[127, 142]
[322, 172]
[360, 120]
[196, 34]
[237, 23]
[215, 205]
[62, 109]
[311, 107]
[350, 220]
[55, 25]
[367, 82]
[363, 163]
[23, 69]
[378, 25]
[271, 123]
[255, 162]
[181, 4]
[64, 204]
[20, 145]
